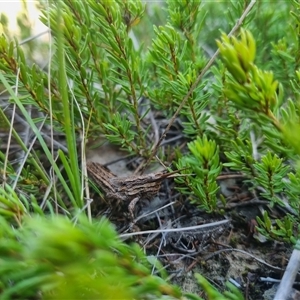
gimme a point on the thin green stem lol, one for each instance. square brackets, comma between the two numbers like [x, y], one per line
[69, 120]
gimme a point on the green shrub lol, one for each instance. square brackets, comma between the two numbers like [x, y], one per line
[112, 64]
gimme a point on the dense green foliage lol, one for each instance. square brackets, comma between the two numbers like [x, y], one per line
[65, 262]
[114, 63]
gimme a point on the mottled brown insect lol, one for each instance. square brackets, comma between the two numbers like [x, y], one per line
[129, 189]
